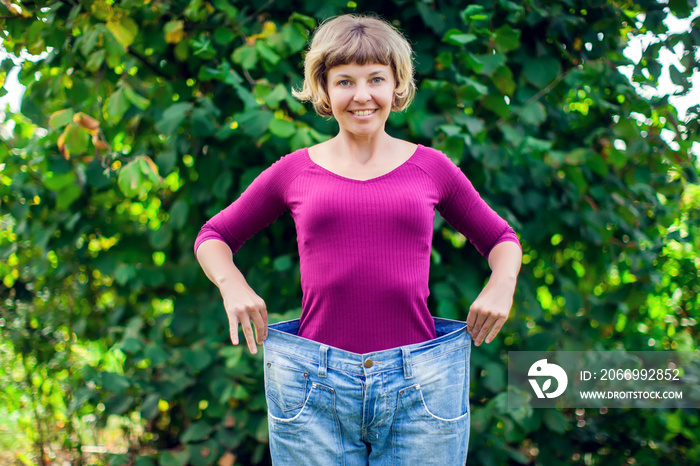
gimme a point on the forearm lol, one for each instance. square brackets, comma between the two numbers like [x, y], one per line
[216, 259]
[505, 259]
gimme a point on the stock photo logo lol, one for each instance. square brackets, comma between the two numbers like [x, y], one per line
[542, 369]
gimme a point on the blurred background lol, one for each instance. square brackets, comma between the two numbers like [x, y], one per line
[126, 124]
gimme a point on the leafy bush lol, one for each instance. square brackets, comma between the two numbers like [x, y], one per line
[144, 118]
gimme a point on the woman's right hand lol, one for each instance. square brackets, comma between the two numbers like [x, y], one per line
[243, 306]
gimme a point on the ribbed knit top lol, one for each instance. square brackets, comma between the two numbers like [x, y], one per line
[364, 246]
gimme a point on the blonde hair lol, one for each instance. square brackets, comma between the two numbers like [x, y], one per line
[356, 39]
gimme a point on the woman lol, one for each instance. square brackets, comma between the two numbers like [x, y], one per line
[366, 375]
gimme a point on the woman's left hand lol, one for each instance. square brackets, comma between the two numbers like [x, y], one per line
[491, 308]
[489, 312]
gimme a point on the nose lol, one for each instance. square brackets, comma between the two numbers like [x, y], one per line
[361, 93]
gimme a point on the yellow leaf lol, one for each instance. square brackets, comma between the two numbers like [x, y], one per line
[86, 122]
[174, 31]
[62, 146]
[98, 142]
[123, 29]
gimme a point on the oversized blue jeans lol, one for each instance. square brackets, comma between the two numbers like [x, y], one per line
[401, 406]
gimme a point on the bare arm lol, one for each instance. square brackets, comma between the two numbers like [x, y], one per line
[242, 304]
[491, 308]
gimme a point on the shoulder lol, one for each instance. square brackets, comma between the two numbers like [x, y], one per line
[278, 176]
[435, 164]
[297, 160]
[289, 166]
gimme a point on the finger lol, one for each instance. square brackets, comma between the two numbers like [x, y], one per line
[260, 324]
[263, 313]
[483, 330]
[248, 334]
[494, 330]
[233, 329]
[479, 320]
[471, 318]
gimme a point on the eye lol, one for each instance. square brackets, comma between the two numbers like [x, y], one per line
[343, 82]
[377, 79]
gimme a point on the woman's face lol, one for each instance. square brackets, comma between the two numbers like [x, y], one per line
[361, 97]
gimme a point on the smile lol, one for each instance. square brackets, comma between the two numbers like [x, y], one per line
[363, 112]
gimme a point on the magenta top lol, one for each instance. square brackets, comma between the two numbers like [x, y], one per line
[364, 246]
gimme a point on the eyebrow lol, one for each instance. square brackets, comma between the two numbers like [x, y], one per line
[373, 73]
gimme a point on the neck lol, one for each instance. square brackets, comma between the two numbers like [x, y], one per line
[360, 149]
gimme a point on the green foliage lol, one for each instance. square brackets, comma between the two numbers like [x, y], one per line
[145, 118]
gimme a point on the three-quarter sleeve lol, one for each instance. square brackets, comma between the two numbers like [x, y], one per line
[463, 208]
[258, 206]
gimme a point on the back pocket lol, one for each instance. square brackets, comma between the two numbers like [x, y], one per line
[286, 387]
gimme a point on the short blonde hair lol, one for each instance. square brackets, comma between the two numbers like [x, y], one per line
[356, 39]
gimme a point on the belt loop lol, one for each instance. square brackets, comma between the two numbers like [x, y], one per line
[322, 360]
[407, 367]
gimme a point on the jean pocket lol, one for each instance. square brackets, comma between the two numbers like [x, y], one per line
[285, 386]
[412, 406]
[317, 414]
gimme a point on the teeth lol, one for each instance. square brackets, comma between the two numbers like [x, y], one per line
[364, 112]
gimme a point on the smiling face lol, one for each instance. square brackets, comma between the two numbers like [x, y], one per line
[361, 97]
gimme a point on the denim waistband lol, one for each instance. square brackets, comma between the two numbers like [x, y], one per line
[282, 339]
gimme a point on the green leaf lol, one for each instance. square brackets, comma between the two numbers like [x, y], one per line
[282, 128]
[124, 273]
[56, 182]
[88, 40]
[130, 178]
[246, 56]
[160, 239]
[173, 117]
[491, 62]
[457, 37]
[254, 122]
[223, 36]
[295, 36]
[469, 12]
[61, 118]
[197, 431]
[542, 71]
[178, 214]
[204, 454]
[144, 461]
[67, 197]
[135, 98]
[555, 421]
[307, 21]
[503, 79]
[124, 30]
[174, 458]
[474, 85]
[149, 407]
[506, 38]
[431, 17]
[267, 53]
[77, 140]
[95, 60]
[495, 378]
[115, 383]
[197, 359]
[533, 113]
[117, 104]
[474, 125]
[497, 104]
[578, 156]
